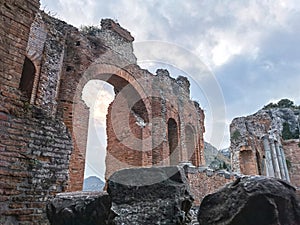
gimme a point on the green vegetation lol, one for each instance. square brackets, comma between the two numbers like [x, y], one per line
[219, 164]
[235, 135]
[283, 103]
[287, 134]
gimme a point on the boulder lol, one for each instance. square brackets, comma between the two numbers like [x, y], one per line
[79, 208]
[157, 195]
[251, 200]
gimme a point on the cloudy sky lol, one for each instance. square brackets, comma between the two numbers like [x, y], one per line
[250, 48]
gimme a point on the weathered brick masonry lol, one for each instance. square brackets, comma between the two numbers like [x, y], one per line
[45, 63]
[34, 147]
[205, 181]
[292, 153]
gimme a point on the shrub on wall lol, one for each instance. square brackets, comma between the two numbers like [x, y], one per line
[235, 135]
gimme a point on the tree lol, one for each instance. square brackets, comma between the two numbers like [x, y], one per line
[285, 103]
[270, 106]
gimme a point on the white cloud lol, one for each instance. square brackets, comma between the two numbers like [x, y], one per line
[98, 95]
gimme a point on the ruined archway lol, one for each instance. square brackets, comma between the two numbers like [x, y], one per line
[190, 144]
[173, 142]
[127, 116]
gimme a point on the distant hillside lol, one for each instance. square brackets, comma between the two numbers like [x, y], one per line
[216, 159]
[210, 153]
[93, 183]
[225, 152]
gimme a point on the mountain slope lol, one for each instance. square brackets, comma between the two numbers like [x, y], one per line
[93, 183]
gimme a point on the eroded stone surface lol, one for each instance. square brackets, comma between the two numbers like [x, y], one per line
[157, 195]
[79, 208]
[266, 143]
[251, 200]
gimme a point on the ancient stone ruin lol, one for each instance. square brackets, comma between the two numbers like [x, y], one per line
[45, 64]
[152, 122]
[267, 143]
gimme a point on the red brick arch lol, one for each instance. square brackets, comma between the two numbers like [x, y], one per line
[76, 118]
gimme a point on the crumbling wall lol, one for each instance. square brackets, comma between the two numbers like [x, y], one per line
[204, 181]
[292, 154]
[34, 146]
[258, 145]
[45, 63]
[34, 164]
[144, 101]
[16, 19]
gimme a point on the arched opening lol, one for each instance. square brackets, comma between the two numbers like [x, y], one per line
[190, 144]
[97, 95]
[27, 78]
[173, 142]
[126, 121]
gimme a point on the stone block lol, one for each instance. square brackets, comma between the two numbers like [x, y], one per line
[157, 195]
[251, 200]
[79, 208]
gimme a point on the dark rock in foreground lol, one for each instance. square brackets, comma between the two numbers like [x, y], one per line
[79, 208]
[159, 195]
[251, 200]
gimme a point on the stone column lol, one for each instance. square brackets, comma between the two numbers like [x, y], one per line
[284, 165]
[268, 157]
[280, 160]
[275, 158]
[286, 171]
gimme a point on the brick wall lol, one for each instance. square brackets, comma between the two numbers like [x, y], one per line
[44, 133]
[205, 181]
[292, 154]
[34, 148]
[16, 19]
[33, 164]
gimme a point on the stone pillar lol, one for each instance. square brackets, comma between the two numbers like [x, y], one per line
[268, 157]
[286, 172]
[287, 176]
[280, 160]
[275, 158]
